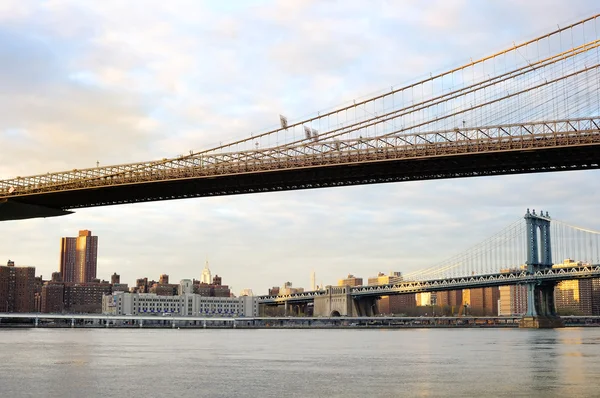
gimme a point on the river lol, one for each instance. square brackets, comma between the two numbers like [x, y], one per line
[300, 363]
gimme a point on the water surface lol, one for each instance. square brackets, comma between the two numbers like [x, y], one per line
[300, 363]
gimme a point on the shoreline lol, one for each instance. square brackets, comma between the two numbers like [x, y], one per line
[274, 327]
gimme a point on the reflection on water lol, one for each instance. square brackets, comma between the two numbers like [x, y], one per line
[300, 363]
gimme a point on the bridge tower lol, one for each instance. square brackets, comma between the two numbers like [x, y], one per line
[541, 309]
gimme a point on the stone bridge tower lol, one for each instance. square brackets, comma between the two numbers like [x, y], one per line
[338, 301]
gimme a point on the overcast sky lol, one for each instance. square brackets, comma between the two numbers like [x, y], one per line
[118, 82]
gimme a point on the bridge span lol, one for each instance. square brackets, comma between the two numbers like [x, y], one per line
[528, 109]
[436, 285]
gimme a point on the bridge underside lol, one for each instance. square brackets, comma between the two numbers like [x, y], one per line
[12, 210]
[374, 172]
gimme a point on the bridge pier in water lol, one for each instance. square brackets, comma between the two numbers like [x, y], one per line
[541, 308]
[366, 306]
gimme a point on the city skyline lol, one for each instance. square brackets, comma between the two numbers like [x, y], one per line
[109, 106]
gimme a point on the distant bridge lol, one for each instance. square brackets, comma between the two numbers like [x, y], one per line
[497, 261]
[531, 108]
[436, 285]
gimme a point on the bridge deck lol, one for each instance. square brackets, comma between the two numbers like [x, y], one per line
[466, 282]
[510, 149]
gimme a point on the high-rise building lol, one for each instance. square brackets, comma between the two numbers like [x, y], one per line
[206, 276]
[17, 288]
[351, 280]
[313, 281]
[115, 278]
[163, 279]
[78, 257]
[383, 279]
[67, 258]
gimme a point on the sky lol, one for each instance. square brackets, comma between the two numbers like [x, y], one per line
[117, 82]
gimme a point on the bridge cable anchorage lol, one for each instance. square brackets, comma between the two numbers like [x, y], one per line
[535, 96]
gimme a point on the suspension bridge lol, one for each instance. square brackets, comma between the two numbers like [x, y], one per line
[520, 254]
[534, 107]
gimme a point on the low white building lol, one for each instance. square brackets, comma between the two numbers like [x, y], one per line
[187, 304]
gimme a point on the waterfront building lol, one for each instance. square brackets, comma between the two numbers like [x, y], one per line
[186, 286]
[484, 301]
[577, 297]
[37, 293]
[450, 302]
[17, 288]
[424, 299]
[513, 300]
[397, 304]
[78, 257]
[58, 296]
[596, 296]
[351, 281]
[53, 293]
[466, 294]
[85, 297]
[121, 303]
